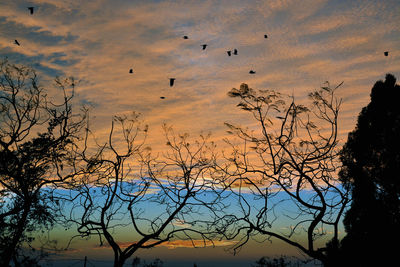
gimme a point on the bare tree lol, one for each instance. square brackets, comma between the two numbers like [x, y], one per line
[286, 166]
[153, 199]
[35, 137]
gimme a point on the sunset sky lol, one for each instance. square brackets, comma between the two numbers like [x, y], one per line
[99, 41]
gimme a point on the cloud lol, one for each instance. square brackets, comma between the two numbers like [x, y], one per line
[180, 223]
[122, 245]
[194, 243]
[197, 243]
[97, 42]
[65, 252]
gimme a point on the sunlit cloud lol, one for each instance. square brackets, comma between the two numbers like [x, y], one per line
[180, 223]
[99, 41]
[197, 243]
[194, 243]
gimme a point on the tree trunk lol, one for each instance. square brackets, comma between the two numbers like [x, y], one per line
[10, 250]
[119, 262]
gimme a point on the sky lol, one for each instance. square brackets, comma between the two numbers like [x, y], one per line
[98, 41]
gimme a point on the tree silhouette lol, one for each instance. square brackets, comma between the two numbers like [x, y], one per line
[276, 262]
[155, 263]
[155, 199]
[371, 167]
[35, 137]
[290, 156]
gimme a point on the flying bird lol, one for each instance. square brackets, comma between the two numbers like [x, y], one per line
[235, 51]
[16, 42]
[265, 36]
[229, 52]
[171, 82]
[204, 46]
[31, 8]
[185, 37]
[131, 71]
[386, 53]
[162, 97]
[252, 72]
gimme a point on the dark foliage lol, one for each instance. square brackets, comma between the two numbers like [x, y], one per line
[34, 137]
[277, 262]
[371, 167]
[156, 263]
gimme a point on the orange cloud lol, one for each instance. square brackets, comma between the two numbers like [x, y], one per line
[307, 44]
[195, 243]
[180, 223]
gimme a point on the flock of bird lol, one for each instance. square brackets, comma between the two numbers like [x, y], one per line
[204, 46]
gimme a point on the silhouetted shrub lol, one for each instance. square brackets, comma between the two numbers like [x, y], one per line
[282, 261]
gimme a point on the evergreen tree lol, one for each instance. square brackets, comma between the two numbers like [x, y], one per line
[371, 170]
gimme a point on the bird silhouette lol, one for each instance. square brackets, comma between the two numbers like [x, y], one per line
[386, 53]
[185, 37]
[229, 52]
[16, 42]
[162, 97]
[171, 82]
[265, 36]
[31, 8]
[131, 71]
[204, 46]
[235, 52]
[252, 72]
